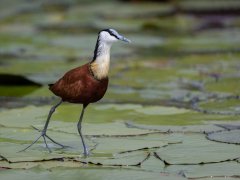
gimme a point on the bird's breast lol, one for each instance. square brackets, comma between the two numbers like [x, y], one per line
[100, 67]
[96, 89]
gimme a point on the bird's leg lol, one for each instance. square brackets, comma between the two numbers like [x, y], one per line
[79, 125]
[43, 132]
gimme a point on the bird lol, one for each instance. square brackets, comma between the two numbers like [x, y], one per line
[83, 85]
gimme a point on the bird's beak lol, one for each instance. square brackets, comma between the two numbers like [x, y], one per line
[122, 38]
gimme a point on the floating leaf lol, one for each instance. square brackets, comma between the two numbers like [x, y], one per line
[188, 128]
[148, 110]
[112, 145]
[153, 164]
[13, 140]
[124, 159]
[43, 164]
[231, 137]
[10, 152]
[193, 151]
[103, 129]
[85, 173]
[119, 144]
[224, 169]
[231, 126]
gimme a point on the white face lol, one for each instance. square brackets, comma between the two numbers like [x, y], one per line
[106, 37]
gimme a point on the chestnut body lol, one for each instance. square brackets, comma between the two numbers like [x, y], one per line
[80, 86]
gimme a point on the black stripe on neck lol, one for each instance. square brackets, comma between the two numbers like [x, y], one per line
[96, 48]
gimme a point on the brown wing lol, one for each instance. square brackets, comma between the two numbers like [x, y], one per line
[79, 86]
[71, 84]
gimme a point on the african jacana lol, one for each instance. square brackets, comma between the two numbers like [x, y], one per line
[85, 84]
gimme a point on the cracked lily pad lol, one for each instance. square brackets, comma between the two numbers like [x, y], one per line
[124, 159]
[194, 171]
[103, 129]
[195, 149]
[14, 140]
[113, 145]
[65, 120]
[231, 137]
[10, 152]
[153, 164]
[187, 128]
[85, 173]
[148, 110]
[117, 145]
[43, 164]
[227, 169]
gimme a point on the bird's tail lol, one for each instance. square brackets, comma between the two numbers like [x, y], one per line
[50, 85]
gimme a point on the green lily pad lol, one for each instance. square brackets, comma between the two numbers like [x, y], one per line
[14, 140]
[43, 164]
[124, 159]
[215, 170]
[117, 145]
[85, 173]
[219, 169]
[25, 135]
[231, 137]
[100, 113]
[148, 110]
[23, 117]
[232, 126]
[36, 116]
[153, 164]
[193, 151]
[114, 145]
[208, 5]
[103, 129]
[10, 152]
[187, 128]
[224, 105]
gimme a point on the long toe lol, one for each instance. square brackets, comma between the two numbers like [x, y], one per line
[31, 144]
[44, 136]
[57, 143]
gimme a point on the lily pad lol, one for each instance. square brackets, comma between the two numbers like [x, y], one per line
[103, 129]
[85, 173]
[100, 113]
[124, 159]
[231, 137]
[14, 140]
[232, 126]
[22, 117]
[117, 145]
[193, 144]
[215, 170]
[224, 105]
[114, 145]
[153, 164]
[10, 152]
[43, 164]
[187, 128]
[148, 110]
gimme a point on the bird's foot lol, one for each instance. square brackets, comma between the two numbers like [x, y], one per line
[44, 135]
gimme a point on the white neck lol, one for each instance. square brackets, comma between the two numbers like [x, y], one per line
[100, 66]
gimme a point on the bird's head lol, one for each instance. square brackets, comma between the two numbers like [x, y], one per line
[111, 35]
